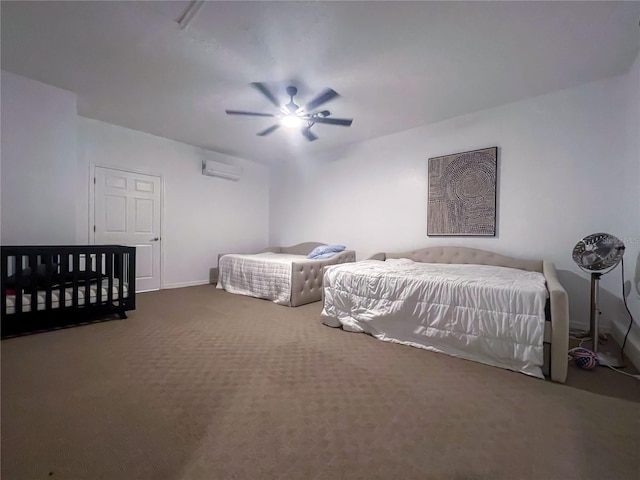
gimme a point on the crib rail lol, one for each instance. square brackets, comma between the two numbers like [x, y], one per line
[74, 275]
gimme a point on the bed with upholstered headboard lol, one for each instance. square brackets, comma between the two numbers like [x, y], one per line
[475, 304]
[284, 275]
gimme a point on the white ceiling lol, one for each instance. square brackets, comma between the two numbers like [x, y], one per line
[396, 65]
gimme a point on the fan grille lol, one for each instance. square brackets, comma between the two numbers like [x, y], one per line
[598, 251]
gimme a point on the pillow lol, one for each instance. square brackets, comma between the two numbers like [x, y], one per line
[324, 250]
[325, 255]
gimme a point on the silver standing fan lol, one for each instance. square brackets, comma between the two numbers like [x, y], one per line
[597, 254]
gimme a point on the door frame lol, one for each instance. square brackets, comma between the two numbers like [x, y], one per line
[92, 206]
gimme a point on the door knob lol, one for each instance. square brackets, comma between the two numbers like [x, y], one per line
[154, 239]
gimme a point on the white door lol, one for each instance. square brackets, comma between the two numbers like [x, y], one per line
[127, 212]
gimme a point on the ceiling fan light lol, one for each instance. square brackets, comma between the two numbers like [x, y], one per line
[291, 121]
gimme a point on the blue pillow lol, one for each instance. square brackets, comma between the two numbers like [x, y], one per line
[325, 255]
[325, 251]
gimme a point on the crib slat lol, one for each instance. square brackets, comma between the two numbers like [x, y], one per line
[119, 259]
[87, 281]
[64, 274]
[74, 274]
[33, 281]
[18, 276]
[48, 274]
[109, 273]
[4, 274]
[98, 270]
[131, 279]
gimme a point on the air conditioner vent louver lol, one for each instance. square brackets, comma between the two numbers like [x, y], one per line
[211, 168]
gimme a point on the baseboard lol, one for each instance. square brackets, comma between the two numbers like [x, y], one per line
[603, 327]
[186, 284]
[585, 327]
[579, 326]
[632, 347]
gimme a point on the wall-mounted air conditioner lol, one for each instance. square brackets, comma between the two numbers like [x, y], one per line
[212, 168]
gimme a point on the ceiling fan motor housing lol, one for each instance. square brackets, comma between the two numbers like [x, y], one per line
[292, 91]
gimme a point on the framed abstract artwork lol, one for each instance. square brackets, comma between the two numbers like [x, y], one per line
[462, 194]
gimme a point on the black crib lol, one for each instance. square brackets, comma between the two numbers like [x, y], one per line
[47, 287]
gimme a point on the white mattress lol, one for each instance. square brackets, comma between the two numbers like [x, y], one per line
[493, 315]
[68, 293]
[261, 275]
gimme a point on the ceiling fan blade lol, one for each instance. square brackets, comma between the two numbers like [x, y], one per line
[324, 97]
[269, 130]
[309, 135]
[344, 122]
[250, 114]
[266, 92]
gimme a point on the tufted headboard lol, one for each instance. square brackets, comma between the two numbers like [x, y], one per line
[462, 255]
[299, 249]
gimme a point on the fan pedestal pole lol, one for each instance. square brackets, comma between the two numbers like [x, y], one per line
[604, 358]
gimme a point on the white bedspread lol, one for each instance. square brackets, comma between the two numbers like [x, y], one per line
[261, 275]
[493, 315]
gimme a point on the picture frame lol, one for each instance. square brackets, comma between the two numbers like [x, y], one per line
[462, 193]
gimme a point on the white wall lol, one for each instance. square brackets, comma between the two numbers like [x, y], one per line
[203, 216]
[39, 155]
[631, 118]
[563, 172]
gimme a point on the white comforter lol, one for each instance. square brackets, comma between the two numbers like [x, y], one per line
[261, 275]
[493, 315]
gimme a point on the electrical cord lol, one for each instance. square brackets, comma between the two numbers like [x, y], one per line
[624, 299]
[626, 306]
[583, 339]
[637, 377]
[584, 336]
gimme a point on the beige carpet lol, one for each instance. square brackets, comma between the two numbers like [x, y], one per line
[202, 384]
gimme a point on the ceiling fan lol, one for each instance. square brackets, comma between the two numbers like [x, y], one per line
[292, 115]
